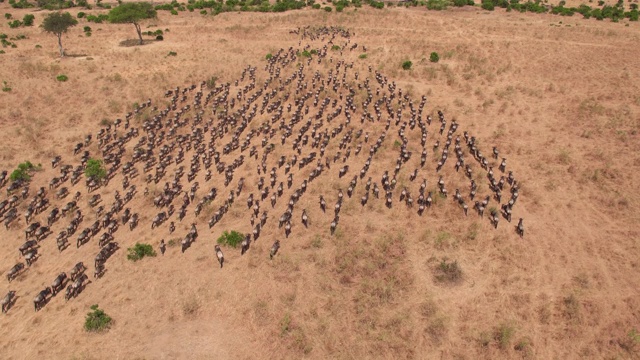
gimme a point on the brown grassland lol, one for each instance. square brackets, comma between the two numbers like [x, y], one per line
[560, 100]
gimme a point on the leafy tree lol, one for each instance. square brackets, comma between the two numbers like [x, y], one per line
[95, 169]
[58, 23]
[132, 13]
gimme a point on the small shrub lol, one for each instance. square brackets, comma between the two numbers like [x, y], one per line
[362, 56]
[97, 320]
[268, 56]
[437, 4]
[314, 52]
[14, 24]
[306, 53]
[328, 8]
[335, 48]
[38, 46]
[139, 251]
[316, 6]
[407, 65]
[174, 12]
[172, 53]
[87, 29]
[434, 57]
[27, 20]
[5, 85]
[232, 238]
[488, 5]
[159, 38]
[503, 336]
[449, 272]
[81, 14]
[95, 169]
[203, 12]
[62, 78]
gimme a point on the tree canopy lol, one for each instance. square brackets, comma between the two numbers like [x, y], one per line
[58, 23]
[132, 13]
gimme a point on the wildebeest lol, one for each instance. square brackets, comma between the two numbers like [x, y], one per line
[274, 249]
[76, 288]
[8, 301]
[41, 299]
[58, 283]
[77, 270]
[15, 271]
[219, 255]
[31, 244]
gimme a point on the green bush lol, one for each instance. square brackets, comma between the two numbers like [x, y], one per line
[335, 48]
[27, 20]
[232, 238]
[7, 16]
[81, 14]
[87, 29]
[5, 85]
[159, 38]
[306, 53]
[327, 8]
[172, 53]
[437, 4]
[203, 12]
[434, 57]
[97, 320]
[407, 65]
[62, 78]
[488, 5]
[316, 6]
[139, 251]
[95, 169]
[14, 24]
[269, 56]
[174, 12]
[460, 3]
[362, 56]
[24, 169]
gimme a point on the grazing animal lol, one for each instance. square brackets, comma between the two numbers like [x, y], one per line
[77, 271]
[8, 301]
[520, 228]
[15, 271]
[58, 283]
[274, 249]
[41, 299]
[219, 255]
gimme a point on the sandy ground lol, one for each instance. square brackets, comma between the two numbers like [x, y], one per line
[560, 101]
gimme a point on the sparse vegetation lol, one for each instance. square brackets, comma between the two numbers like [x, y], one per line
[97, 320]
[406, 65]
[172, 53]
[139, 251]
[434, 57]
[232, 238]
[5, 85]
[62, 78]
[503, 336]
[448, 272]
[269, 56]
[362, 56]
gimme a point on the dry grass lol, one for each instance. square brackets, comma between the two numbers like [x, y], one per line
[567, 289]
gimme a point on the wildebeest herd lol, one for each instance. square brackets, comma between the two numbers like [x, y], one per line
[328, 121]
